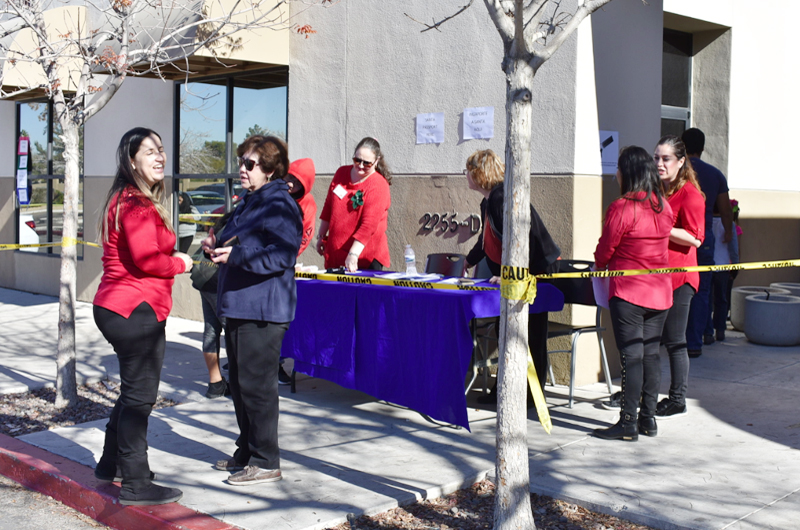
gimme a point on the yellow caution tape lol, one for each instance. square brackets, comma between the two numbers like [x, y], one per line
[538, 396]
[371, 280]
[516, 283]
[65, 242]
[758, 265]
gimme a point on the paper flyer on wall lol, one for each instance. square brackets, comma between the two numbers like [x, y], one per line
[430, 128]
[478, 123]
[609, 151]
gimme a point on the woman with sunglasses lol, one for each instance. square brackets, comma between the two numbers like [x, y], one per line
[352, 231]
[256, 295]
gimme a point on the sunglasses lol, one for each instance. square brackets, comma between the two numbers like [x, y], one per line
[359, 162]
[248, 164]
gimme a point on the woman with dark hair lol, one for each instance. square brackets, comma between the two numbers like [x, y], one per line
[257, 296]
[131, 307]
[688, 207]
[352, 231]
[636, 233]
[485, 172]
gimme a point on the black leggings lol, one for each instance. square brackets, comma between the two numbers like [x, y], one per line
[637, 331]
[139, 342]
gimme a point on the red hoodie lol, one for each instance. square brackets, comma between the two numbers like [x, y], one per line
[304, 170]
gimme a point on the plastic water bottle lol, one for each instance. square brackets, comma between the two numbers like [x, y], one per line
[411, 264]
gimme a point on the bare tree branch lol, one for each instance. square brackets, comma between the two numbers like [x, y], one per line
[501, 20]
[583, 11]
[439, 23]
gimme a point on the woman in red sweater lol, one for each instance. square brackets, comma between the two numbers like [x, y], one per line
[352, 231]
[688, 208]
[131, 308]
[635, 235]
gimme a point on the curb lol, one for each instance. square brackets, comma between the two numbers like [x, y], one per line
[74, 485]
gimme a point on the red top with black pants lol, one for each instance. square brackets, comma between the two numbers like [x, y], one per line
[130, 309]
[348, 220]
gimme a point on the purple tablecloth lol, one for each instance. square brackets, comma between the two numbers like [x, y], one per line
[403, 345]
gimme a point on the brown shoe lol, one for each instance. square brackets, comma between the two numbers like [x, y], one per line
[230, 465]
[254, 475]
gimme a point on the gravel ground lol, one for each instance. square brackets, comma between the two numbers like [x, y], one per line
[467, 509]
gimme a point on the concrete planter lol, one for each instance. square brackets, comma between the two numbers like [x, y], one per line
[793, 288]
[738, 295]
[773, 320]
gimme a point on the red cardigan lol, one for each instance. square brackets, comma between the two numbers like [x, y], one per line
[636, 237]
[137, 262]
[366, 223]
[688, 209]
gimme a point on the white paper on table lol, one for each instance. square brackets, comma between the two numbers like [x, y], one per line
[478, 123]
[415, 277]
[23, 161]
[430, 128]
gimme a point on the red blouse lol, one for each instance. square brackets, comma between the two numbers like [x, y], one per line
[636, 237]
[137, 262]
[366, 223]
[688, 209]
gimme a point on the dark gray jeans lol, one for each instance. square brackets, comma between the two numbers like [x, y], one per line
[674, 338]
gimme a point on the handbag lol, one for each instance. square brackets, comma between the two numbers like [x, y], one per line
[204, 273]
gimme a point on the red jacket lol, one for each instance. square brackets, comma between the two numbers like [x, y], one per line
[688, 210]
[636, 237]
[304, 170]
[366, 223]
[137, 259]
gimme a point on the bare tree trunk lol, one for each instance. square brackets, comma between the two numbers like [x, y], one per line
[66, 384]
[512, 500]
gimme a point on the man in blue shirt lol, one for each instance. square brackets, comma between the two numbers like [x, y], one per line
[715, 188]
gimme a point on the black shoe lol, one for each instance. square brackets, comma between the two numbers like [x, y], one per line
[150, 496]
[667, 409]
[116, 477]
[622, 430]
[708, 339]
[283, 377]
[694, 354]
[614, 402]
[648, 426]
[218, 389]
[720, 335]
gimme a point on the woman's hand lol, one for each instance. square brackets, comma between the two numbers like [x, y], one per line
[221, 255]
[187, 259]
[209, 243]
[495, 280]
[684, 238]
[320, 246]
[351, 262]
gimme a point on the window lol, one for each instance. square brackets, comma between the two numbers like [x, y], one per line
[214, 116]
[676, 82]
[41, 221]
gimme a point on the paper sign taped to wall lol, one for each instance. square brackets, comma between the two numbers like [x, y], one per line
[478, 123]
[23, 162]
[22, 178]
[430, 128]
[24, 141]
[609, 151]
[22, 195]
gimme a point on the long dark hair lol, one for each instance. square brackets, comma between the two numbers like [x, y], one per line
[686, 173]
[640, 174]
[381, 167]
[127, 176]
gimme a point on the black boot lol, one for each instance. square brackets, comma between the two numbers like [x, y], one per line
[625, 429]
[648, 426]
[149, 496]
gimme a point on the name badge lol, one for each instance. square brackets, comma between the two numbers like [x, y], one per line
[339, 191]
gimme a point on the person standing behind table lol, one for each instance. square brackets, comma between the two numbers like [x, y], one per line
[485, 173]
[715, 187]
[636, 233]
[131, 308]
[352, 231]
[256, 254]
[688, 207]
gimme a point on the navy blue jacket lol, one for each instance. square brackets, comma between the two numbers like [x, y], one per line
[257, 282]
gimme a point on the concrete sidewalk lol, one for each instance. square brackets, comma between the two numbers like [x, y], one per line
[731, 463]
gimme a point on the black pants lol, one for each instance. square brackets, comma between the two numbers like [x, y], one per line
[139, 342]
[674, 338]
[254, 348]
[637, 331]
